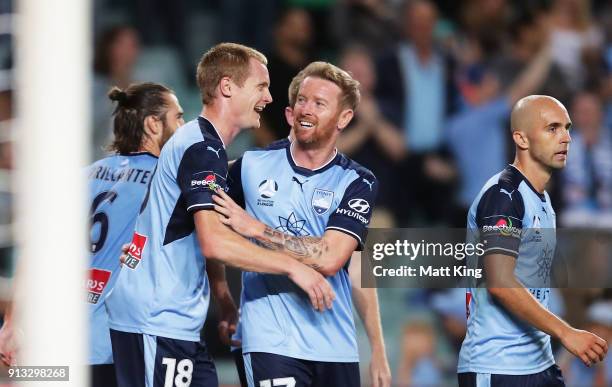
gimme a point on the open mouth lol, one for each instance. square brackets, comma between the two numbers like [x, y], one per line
[259, 108]
[305, 124]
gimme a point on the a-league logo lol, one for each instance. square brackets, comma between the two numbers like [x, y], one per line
[268, 188]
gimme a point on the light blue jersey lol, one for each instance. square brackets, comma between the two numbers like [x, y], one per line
[276, 316]
[117, 185]
[515, 220]
[163, 289]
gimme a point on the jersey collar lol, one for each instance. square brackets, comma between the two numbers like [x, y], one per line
[207, 126]
[515, 170]
[138, 154]
[309, 172]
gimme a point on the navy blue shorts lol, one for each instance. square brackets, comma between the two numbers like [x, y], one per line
[270, 370]
[154, 361]
[550, 377]
[103, 375]
[239, 360]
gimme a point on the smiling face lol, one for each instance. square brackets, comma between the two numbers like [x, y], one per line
[251, 98]
[317, 116]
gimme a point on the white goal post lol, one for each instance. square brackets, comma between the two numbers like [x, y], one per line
[53, 57]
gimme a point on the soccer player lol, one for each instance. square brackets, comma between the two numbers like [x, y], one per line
[366, 303]
[315, 204]
[159, 303]
[509, 325]
[145, 117]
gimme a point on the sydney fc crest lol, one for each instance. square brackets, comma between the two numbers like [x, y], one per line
[321, 200]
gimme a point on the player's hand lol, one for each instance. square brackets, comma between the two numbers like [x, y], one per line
[315, 285]
[235, 216]
[589, 347]
[228, 320]
[8, 345]
[124, 253]
[380, 372]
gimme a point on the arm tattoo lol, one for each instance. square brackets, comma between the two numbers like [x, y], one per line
[305, 249]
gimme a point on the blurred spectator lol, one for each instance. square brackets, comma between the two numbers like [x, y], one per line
[115, 56]
[321, 13]
[449, 304]
[6, 102]
[588, 176]
[477, 135]
[159, 21]
[574, 37]
[594, 268]
[575, 373]
[415, 92]
[418, 366]
[370, 139]
[368, 22]
[248, 22]
[528, 33]
[486, 20]
[292, 52]
[7, 134]
[414, 80]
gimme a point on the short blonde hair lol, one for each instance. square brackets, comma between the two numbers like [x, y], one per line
[224, 60]
[349, 86]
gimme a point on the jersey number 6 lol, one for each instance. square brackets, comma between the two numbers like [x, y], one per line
[100, 218]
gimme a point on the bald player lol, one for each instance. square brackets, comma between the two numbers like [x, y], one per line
[509, 325]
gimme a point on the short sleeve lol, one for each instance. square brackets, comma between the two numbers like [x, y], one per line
[234, 183]
[355, 209]
[200, 173]
[499, 218]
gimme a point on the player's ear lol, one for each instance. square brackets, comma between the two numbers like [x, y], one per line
[520, 139]
[289, 115]
[225, 87]
[153, 126]
[345, 117]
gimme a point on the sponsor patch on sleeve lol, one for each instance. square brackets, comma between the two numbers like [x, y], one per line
[96, 283]
[502, 226]
[207, 180]
[357, 208]
[134, 254]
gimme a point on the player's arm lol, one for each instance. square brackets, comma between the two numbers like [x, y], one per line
[366, 302]
[218, 242]
[8, 345]
[503, 285]
[532, 77]
[312, 251]
[344, 233]
[228, 312]
[315, 252]
[199, 174]
[499, 217]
